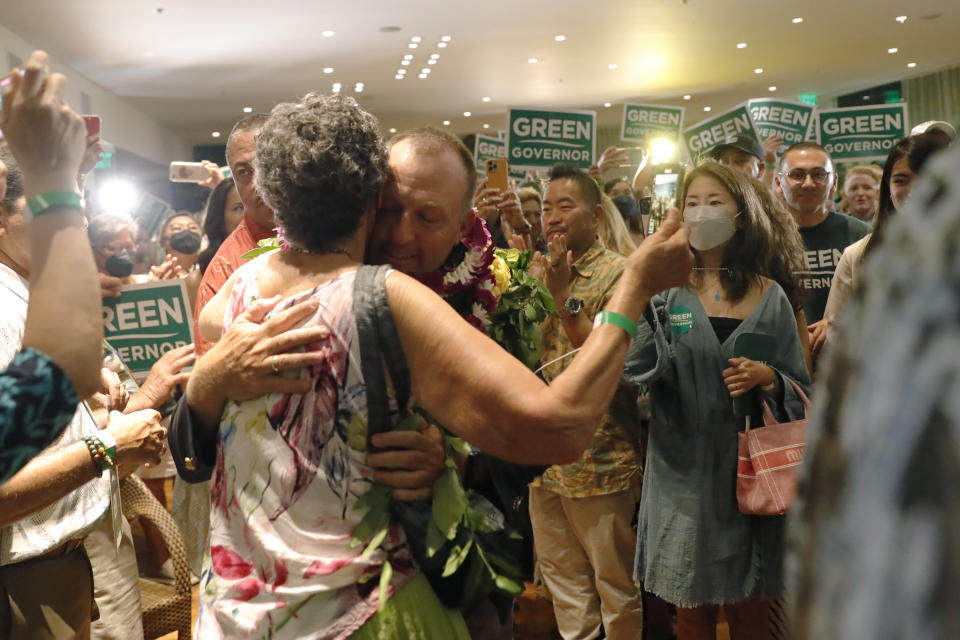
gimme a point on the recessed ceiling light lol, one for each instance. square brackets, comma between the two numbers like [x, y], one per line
[772, 88]
[892, 50]
[336, 87]
[485, 99]
[401, 71]
[607, 104]
[911, 64]
[559, 38]
[797, 20]
[431, 62]
[446, 123]
[405, 62]
[327, 34]
[706, 108]
[533, 60]
[398, 77]
[408, 56]
[215, 134]
[248, 109]
[413, 45]
[758, 70]
[393, 129]
[901, 19]
[741, 45]
[425, 70]
[328, 69]
[686, 97]
[486, 125]
[434, 56]
[415, 39]
[467, 114]
[358, 89]
[422, 76]
[441, 45]
[445, 39]
[612, 65]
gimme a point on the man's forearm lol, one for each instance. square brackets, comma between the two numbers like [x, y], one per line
[577, 328]
[206, 398]
[44, 480]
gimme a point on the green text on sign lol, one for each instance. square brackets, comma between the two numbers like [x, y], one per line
[146, 321]
[540, 138]
[720, 128]
[792, 121]
[643, 122]
[857, 134]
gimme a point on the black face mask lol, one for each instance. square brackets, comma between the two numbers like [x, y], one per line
[120, 265]
[186, 241]
[644, 205]
[627, 205]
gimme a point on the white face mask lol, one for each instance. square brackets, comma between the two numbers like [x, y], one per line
[710, 227]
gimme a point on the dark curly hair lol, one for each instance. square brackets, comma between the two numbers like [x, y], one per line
[320, 165]
[214, 222]
[14, 179]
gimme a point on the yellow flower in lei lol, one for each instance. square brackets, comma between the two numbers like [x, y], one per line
[501, 272]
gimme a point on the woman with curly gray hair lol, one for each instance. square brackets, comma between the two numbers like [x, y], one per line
[290, 468]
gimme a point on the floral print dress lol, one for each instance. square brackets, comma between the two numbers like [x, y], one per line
[289, 470]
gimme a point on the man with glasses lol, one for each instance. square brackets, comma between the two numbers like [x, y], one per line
[807, 180]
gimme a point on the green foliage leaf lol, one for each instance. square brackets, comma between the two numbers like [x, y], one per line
[435, 538]
[449, 502]
[377, 518]
[457, 557]
[375, 543]
[386, 573]
[506, 584]
[458, 445]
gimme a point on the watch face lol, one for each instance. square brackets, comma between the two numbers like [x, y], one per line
[573, 305]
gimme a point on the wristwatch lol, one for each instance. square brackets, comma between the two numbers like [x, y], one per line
[572, 306]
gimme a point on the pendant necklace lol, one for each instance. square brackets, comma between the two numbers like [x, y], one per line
[716, 296]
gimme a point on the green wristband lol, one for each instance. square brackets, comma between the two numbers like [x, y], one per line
[610, 317]
[57, 199]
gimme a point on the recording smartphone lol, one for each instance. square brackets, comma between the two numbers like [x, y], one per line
[635, 156]
[666, 184]
[498, 171]
[188, 172]
[93, 127]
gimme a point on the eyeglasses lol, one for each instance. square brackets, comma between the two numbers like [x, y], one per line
[799, 176]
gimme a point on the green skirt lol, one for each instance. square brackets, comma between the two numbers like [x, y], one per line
[414, 613]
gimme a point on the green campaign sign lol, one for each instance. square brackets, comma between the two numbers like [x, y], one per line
[146, 321]
[642, 122]
[792, 121]
[540, 138]
[486, 148]
[856, 134]
[712, 131]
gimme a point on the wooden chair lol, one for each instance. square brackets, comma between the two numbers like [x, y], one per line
[166, 608]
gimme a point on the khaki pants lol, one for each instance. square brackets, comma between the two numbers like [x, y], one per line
[585, 550]
[47, 598]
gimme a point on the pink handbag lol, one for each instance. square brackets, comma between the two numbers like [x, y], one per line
[768, 461]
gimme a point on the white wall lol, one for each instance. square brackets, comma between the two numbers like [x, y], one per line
[122, 124]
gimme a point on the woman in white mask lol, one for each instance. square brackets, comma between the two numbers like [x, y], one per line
[694, 547]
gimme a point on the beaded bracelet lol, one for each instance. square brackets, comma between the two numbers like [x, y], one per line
[101, 457]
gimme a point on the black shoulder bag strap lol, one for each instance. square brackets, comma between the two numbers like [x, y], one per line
[379, 346]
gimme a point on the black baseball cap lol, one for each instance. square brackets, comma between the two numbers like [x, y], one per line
[742, 143]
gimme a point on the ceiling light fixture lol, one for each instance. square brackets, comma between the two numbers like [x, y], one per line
[434, 56]
[486, 126]
[422, 76]
[485, 99]
[405, 62]
[215, 134]
[398, 77]
[408, 56]
[559, 38]
[415, 39]
[901, 19]
[467, 114]
[911, 65]
[741, 45]
[425, 70]
[393, 129]
[431, 62]
[686, 97]
[607, 104]
[441, 45]
[612, 66]
[771, 88]
[336, 87]
[413, 45]
[446, 123]
[327, 34]
[892, 50]
[328, 69]
[533, 60]
[706, 108]
[401, 71]
[797, 20]
[758, 70]
[248, 109]
[445, 39]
